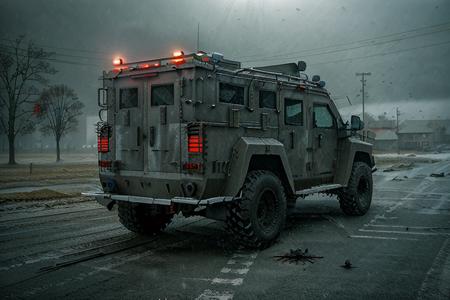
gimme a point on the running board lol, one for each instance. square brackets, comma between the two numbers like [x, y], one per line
[318, 189]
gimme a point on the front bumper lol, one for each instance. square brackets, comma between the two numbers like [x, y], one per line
[108, 200]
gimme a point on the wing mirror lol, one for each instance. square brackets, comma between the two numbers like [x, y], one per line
[356, 123]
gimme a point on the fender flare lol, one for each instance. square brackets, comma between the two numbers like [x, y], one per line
[242, 153]
[352, 150]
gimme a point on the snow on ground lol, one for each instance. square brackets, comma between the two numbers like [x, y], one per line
[430, 156]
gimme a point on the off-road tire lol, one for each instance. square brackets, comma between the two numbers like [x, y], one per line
[356, 198]
[143, 218]
[256, 220]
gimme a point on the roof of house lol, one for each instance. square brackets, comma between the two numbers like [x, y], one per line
[385, 135]
[416, 126]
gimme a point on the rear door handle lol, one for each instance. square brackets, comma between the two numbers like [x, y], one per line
[320, 137]
[152, 136]
[138, 136]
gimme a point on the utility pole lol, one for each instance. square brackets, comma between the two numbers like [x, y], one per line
[363, 82]
[397, 113]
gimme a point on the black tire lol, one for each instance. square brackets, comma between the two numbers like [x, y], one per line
[257, 219]
[143, 218]
[356, 198]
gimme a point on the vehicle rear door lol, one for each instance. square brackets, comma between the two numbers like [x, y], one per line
[129, 124]
[163, 123]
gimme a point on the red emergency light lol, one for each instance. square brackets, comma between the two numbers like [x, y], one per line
[118, 61]
[179, 57]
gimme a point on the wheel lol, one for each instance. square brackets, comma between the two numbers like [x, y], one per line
[257, 219]
[356, 198]
[143, 218]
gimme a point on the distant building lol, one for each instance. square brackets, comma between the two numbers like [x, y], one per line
[385, 139]
[385, 134]
[423, 134]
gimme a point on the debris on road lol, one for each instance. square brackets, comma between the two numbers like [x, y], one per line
[442, 174]
[347, 265]
[296, 256]
[400, 167]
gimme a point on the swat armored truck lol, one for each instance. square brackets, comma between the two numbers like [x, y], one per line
[201, 135]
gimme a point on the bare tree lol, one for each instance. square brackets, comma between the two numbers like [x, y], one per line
[20, 70]
[60, 109]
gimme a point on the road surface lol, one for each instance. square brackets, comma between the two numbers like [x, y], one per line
[399, 250]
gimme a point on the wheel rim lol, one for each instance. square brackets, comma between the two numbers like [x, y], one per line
[267, 211]
[363, 191]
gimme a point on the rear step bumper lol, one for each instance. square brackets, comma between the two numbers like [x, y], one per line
[108, 200]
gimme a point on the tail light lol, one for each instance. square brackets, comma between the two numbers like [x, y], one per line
[195, 144]
[104, 132]
[196, 148]
[105, 164]
[103, 144]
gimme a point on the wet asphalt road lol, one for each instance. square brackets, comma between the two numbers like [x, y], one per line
[400, 249]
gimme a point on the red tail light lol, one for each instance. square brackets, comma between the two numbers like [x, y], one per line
[195, 144]
[106, 164]
[103, 144]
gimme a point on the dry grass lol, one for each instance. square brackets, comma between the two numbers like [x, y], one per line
[43, 194]
[53, 172]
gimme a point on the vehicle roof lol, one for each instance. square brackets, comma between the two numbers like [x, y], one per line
[217, 63]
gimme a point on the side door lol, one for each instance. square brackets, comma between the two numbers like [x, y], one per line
[293, 133]
[128, 125]
[324, 141]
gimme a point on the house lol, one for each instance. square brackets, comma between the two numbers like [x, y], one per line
[417, 135]
[385, 139]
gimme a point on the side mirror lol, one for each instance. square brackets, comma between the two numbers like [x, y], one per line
[356, 123]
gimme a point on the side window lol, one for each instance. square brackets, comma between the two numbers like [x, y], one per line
[267, 99]
[232, 94]
[293, 111]
[162, 95]
[128, 98]
[323, 117]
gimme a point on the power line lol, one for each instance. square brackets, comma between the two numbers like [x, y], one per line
[62, 48]
[358, 41]
[344, 49]
[55, 60]
[57, 54]
[382, 54]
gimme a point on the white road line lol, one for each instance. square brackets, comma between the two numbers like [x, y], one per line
[380, 237]
[430, 211]
[405, 232]
[234, 262]
[438, 276]
[232, 281]
[215, 295]
[247, 256]
[235, 271]
[405, 226]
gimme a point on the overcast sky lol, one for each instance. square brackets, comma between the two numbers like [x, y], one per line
[405, 44]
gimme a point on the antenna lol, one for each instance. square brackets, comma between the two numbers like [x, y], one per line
[198, 36]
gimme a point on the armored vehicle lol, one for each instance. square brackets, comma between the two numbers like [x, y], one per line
[198, 134]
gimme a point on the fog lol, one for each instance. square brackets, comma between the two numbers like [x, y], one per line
[405, 44]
